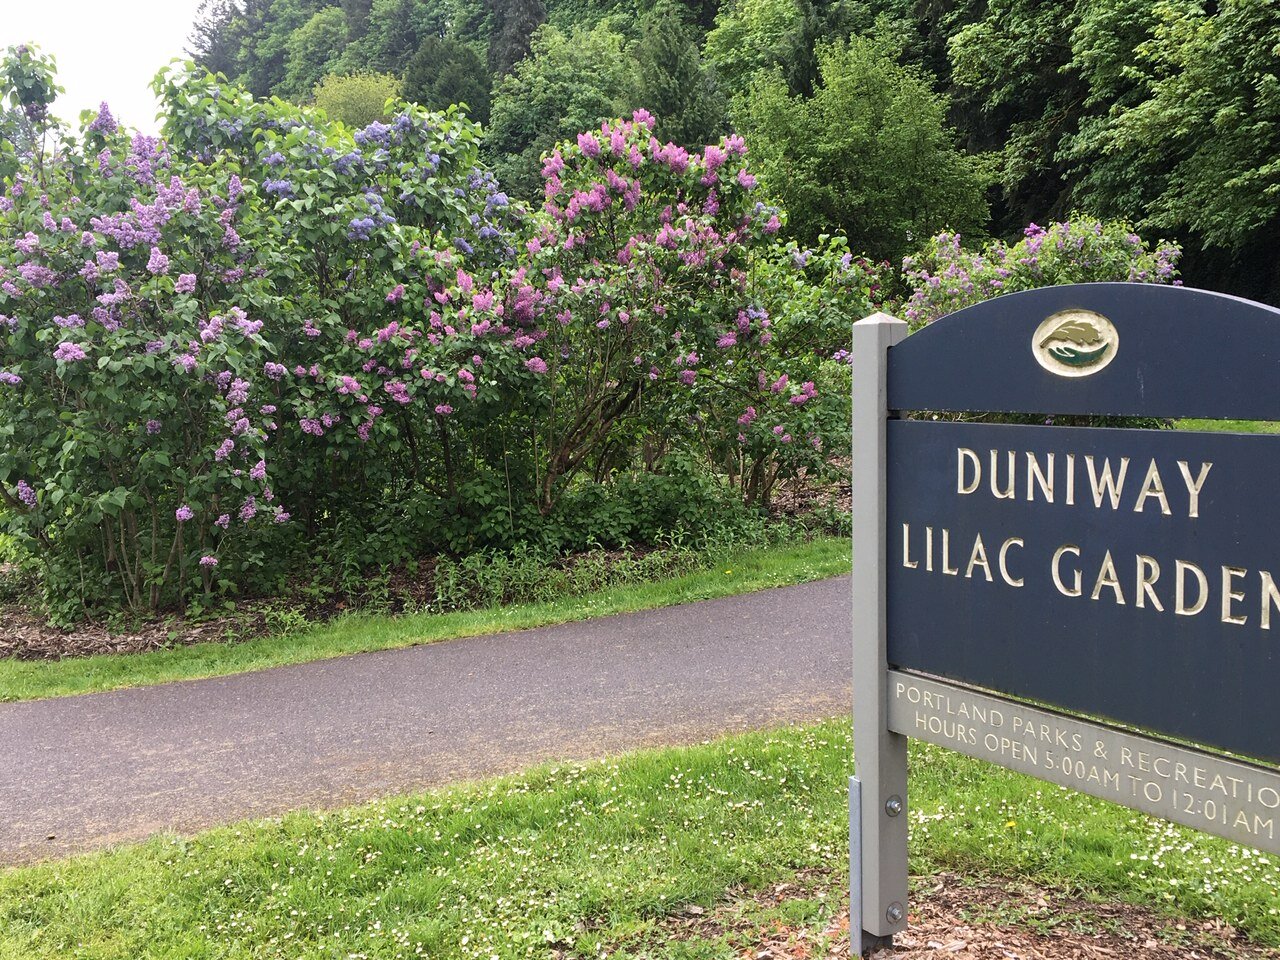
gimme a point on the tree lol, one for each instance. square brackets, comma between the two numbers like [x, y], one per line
[310, 50]
[868, 155]
[756, 35]
[673, 84]
[514, 22]
[356, 99]
[357, 14]
[448, 71]
[1206, 127]
[213, 41]
[396, 30]
[570, 82]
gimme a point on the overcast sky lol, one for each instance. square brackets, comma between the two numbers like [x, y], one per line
[105, 50]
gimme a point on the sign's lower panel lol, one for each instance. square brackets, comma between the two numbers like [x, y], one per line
[1235, 800]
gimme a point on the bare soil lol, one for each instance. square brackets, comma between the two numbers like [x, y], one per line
[954, 917]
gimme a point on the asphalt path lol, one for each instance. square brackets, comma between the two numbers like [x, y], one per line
[79, 773]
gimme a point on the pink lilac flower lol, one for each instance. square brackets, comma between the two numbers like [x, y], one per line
[208, 561]
[536, 364]
[396, 294]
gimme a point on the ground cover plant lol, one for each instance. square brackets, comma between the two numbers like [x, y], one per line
[601, 586]
[587, 859]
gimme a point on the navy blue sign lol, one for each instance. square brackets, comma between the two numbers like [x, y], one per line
[1131, 574]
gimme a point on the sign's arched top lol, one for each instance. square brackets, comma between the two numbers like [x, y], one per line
[1120, 349]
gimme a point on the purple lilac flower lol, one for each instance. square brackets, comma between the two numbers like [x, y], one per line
[208, 561]
[26, 494]
[282, 188]
[154, 427]
[104, 123]
[69, 322]
[186, 283]
[69, 352]
[536, 364]
[9, 379]
[158, 263]
[249, 510]
[223, 521]
[184, 513]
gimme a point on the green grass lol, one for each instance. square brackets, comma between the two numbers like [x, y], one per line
[736, 573]
[1230, 426]
[588, 859]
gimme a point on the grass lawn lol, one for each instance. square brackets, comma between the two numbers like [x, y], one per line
[737, 573]
[590, 859]
[1230, 426]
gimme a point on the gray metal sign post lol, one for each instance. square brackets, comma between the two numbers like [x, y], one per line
[878, 792]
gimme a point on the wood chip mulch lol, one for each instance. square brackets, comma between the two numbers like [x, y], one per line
[958, 919]
[24, 636]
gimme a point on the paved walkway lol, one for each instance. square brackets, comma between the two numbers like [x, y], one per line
[84, 772]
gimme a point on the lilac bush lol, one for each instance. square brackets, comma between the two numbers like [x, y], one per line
[945, 276]
[655, 286]
[262, 339]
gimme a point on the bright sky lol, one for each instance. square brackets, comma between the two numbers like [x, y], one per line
[105, 50]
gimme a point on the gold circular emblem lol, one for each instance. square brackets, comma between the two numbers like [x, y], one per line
[1075, 343]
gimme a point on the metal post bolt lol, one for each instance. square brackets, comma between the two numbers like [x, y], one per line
[893, 806]
[894, 913]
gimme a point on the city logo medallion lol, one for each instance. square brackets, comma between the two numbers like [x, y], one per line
[1075, 343]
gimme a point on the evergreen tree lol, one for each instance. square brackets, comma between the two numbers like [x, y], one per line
[513, 23]
[448, 71]
[672, 83]
[214, 41]
[357, 14]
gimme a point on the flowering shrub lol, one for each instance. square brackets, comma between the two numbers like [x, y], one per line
[945, 277]
[133, 408]
[655, 282]
[263, 336]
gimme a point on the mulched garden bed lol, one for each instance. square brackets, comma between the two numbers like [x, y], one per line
[954, 917]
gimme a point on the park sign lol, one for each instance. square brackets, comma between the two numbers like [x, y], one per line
[1098, 607]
